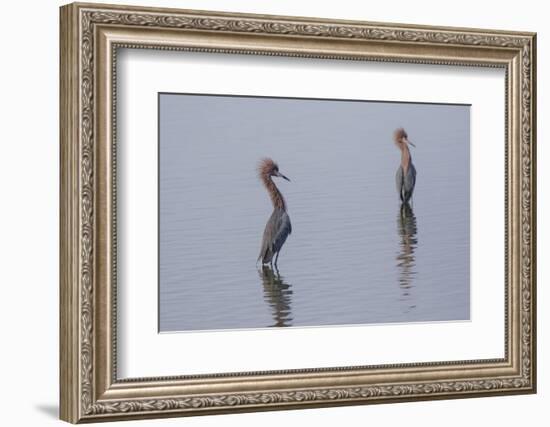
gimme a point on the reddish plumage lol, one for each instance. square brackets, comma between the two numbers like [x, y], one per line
[401, 138]
[266, 169]
[399, 134]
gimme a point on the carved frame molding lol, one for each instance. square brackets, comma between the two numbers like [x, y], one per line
[90, 36]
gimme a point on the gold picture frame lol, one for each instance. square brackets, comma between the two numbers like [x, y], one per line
[90, 36]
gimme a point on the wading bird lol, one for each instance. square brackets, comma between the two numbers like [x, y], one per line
[405, 178]
[278, 227]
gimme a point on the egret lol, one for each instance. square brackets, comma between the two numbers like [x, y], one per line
[405, 178]
[278, 226]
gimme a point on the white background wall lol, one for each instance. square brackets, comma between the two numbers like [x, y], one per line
[29, 171]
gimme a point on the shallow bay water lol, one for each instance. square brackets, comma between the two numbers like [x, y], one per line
[355, 255]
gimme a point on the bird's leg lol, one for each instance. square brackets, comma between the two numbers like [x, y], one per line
[276, 259]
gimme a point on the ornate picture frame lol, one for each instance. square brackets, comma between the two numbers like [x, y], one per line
[90, 37]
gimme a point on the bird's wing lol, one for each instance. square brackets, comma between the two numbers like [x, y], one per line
[276, 231]
[283, 230]
[410, 178]
[399, 179]
[265, 252]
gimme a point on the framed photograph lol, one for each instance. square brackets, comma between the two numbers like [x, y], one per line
[266, 212]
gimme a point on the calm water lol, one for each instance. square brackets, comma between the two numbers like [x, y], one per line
[355, 256]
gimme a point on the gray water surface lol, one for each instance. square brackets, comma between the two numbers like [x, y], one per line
[355, 256]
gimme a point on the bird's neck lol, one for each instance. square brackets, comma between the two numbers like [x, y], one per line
[276, 197]
[405, 157]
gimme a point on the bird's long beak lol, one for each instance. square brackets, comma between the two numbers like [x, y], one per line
[279, 174]
[409, 142]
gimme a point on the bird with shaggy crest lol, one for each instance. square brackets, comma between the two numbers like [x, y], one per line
[278, 227]
[405, 178]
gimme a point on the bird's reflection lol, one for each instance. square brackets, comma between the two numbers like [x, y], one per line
[406, 227]
[278, 295]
